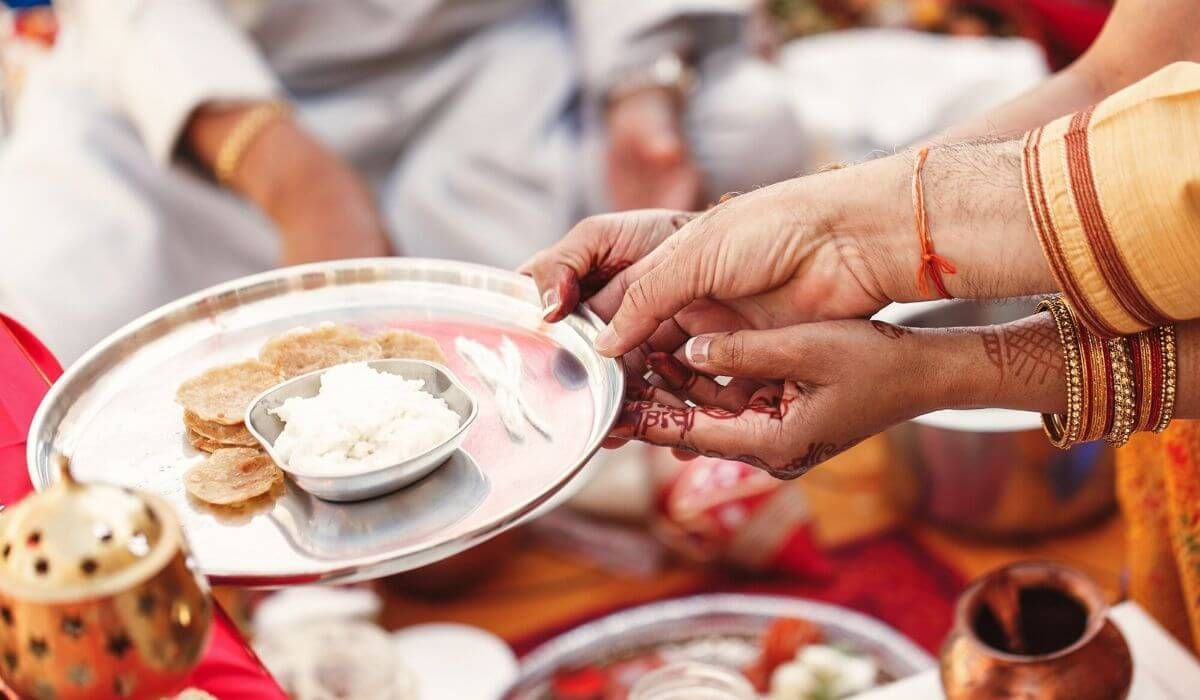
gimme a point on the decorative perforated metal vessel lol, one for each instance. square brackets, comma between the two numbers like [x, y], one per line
[97, 595]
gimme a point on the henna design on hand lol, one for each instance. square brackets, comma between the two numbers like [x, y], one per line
[816, 453]
[1032, 349]
[639, 417]
[890, 331]
[1027, 349]
[993, 347]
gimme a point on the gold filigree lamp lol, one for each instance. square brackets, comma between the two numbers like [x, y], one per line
[97, 595]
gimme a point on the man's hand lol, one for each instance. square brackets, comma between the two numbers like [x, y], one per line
[321, 207]
[648, 164]
[842, 244]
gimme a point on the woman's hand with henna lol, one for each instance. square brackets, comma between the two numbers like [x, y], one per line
[802, 393]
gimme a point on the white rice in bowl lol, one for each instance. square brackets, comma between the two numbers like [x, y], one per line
[359, 421]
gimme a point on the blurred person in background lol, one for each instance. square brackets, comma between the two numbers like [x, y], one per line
[167, 146]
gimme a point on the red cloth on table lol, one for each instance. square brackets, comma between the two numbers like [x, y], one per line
[891, 577]
[229, 669]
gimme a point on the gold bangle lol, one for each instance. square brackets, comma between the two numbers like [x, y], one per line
[1142, 354]
[245, 131]
[1124, 414]
[1170, 366]
[1063, 430]
[1095, 391]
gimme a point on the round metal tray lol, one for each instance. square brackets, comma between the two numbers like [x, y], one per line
[691, 621]
[114, 414]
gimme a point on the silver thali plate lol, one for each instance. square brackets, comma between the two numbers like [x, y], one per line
[114, 414]
[721, 629]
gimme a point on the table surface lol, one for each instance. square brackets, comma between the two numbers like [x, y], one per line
[539, 588]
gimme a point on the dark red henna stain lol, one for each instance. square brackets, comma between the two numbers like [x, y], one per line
[1032, 350]
[887, 330]
[993, 348]
[600, 275]
[676, 375]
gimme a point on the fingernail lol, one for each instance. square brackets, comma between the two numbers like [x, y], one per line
[697, 349]
[550, 303]
[606, 341]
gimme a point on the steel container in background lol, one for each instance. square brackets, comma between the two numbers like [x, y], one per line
[991, 472]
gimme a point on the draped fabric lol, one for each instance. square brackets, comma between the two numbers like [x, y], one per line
[1158, 484]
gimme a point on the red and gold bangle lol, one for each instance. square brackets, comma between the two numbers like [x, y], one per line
[1152, 369]
[1124, 415]
[1097, 387]
[1065, 429]
[1169, 367]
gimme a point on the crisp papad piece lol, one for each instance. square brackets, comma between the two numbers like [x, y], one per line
[222, 394]
[401, 344]
[202, 443]
[230, 435]
[231, 475]
[304, 350]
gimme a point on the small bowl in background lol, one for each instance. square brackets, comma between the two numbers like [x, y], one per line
[992, 472]
[265, 426]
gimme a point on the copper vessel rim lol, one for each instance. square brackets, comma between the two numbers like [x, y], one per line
[168, 544]
[1066, 578]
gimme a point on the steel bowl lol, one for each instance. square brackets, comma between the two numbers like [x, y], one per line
[266, 427]
[992, 472]
[717, 629]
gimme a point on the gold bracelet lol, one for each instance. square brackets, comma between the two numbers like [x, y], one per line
[248, 128]
[1095, 379]
[1063, 431]
[1170, 366]
[1124, 413]
[1146, 391]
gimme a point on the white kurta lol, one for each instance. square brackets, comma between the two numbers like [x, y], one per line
[474, 120]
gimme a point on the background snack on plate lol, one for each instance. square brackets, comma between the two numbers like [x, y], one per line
[222, 394]
[231, 435]
[401, 344]
[303, 350]
[202, 443]
[231, 475]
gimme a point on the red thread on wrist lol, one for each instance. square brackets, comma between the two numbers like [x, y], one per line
[932, 264]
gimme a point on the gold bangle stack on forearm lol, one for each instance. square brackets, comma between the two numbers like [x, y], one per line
[1115, 386]
[249, 127]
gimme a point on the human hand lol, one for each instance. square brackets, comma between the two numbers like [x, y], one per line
[807, 392]
[841, 244]
[802, 395]
[648, 165]
[598, 259]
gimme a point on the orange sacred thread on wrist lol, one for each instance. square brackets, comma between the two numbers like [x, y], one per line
[932, 264]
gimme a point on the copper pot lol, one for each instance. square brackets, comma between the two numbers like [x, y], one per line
[1036, 631]
[98, 598]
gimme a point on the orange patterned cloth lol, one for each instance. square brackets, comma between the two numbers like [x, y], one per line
[1158, 484]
